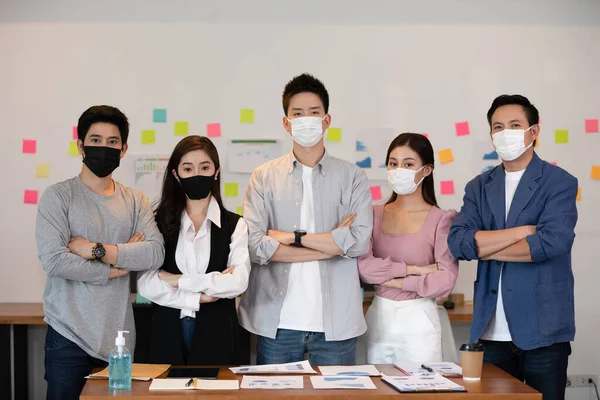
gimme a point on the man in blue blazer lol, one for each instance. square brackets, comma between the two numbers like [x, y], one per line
[518, 220]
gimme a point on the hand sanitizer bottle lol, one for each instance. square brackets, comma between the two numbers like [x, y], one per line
[119, 365]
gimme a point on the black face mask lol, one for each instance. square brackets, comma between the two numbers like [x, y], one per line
[197, 187]
[102, 161]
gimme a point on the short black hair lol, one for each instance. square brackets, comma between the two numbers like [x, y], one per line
[532, 114]
[110, 115]
[304, 83]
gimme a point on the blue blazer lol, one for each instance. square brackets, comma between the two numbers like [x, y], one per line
[538, 296]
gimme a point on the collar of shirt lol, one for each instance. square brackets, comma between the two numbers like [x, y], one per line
[323, 163]
[213, 214]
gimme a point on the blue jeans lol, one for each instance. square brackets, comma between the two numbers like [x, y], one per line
[544, 369]
[67, 365]
[289, 346]
[187, 334]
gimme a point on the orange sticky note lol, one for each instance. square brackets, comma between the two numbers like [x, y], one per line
[462, 128]
[29, 146]
[213, 130]
[31, 197]
[376, 192]
[595, 172]
[578, 194]
[42, 170]
[447, 187]
[446, 156]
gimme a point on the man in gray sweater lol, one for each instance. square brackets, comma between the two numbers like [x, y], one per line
[91, 231]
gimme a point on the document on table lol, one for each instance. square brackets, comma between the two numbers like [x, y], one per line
[422, 383]
[194, 384]
[349, 370]
[272, 382]
[448, 369]
[342, 382]
[302, 367]
[139, 372]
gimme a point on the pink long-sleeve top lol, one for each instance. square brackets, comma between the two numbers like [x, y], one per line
[390, 253]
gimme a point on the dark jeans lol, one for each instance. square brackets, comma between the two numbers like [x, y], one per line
[544, 369]
[187, 334]
[66, 367]
[289, 346]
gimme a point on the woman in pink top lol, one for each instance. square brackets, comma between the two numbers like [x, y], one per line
[408, 262]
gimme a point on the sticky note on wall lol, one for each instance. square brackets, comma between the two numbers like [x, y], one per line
[231, 189]
[376, 193]
[446, 156]
[213, 130]
[462, 128]
[334, 134]
[238, 210]
[247, 116]
[148, 136]
[29, 146]
[595, 172]
[578, 194]
[75, 137]
[159, 115]
[42, 170]
[73, 150]
[181, 128]
[447, 187]
[30, 197]
[561, 136]
[591, 126]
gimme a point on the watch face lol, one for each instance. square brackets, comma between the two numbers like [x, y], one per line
[99, 252]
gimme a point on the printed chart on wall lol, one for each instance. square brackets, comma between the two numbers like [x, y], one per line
[147, 174]
[243, 155]
[371, 146]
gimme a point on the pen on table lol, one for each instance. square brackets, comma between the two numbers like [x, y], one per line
[189, 383]
[425, 367]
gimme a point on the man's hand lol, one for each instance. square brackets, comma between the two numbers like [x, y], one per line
[81, 247]
[117, 273]
[207, 299]
[393, 283]
[347, 221]
[421, 270]
[138, 237]
[169, 278]
[286, 238]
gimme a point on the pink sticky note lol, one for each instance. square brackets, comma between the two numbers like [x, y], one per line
[462, 128]
[74, 133]
[29, 146]
[591, 126]
[376, 192]
[31, 197]
[554, 163]
[447, 187]
[213, 130]
[425, 134]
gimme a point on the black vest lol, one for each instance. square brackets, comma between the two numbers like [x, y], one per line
[218, 338]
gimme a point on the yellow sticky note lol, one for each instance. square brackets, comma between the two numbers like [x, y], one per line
[247, 116]
[73, 150]
[561, 136]
[181, 128]
[445, 156]
[537, 142]
[596, 172]
[334, 134]
[578, 194]
[231, 189]
[148, 137]
[238, 210]
[42, 170]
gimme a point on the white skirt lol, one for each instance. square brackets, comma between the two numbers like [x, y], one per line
[403, 331]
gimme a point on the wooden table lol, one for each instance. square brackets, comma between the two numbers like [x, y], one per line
[495, 384]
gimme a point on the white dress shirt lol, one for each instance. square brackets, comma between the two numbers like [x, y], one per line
[192, 256]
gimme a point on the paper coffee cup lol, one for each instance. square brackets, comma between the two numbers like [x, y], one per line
[471, 360]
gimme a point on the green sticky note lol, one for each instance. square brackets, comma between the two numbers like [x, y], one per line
[231, 189]
[561, 136]
[159, 115]
[73, 150]
[181, 128]
[139, 299]
[148, 136]
[247, 116]
[239, 210]
[334, 134]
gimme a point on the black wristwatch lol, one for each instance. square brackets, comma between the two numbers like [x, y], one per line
[298, 237]
[98, 251]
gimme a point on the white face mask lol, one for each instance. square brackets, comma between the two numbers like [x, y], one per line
[402, 180]
[307, 131]
[510, 143]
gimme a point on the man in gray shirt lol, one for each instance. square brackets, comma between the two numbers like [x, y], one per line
[91, 231]
[309, 217]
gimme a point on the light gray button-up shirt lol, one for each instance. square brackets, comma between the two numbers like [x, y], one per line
[273, 200]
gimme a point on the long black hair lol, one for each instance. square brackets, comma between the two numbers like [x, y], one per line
[173, 199]
[422, 146]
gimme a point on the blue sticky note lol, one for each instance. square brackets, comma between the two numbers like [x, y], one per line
[488, 168]
[491, 156]
[159, 115]
[360, 146]
[366, 163]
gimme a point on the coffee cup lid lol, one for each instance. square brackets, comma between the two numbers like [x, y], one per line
[472, 347]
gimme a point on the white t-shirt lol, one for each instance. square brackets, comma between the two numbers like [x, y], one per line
[498, 327]
[303, 304]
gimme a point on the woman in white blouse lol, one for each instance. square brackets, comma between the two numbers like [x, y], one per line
[206, 265]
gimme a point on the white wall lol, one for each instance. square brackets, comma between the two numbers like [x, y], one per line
[413, 66]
